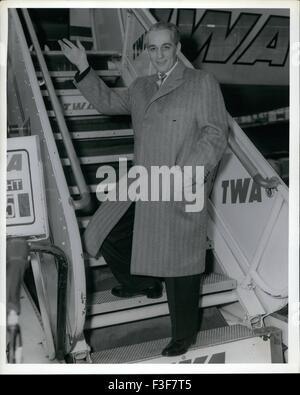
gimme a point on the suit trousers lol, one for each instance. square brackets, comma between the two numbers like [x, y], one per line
[182, 292]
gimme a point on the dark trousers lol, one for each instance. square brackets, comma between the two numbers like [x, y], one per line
[182, 292]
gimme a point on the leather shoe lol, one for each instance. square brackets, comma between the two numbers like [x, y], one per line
[178, 347]
[153, 292]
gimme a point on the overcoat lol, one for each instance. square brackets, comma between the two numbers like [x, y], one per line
[183, 123]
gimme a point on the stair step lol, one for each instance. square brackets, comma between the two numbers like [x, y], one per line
[72, 105]
[89, 53]
[97, 134]
[56, 61]
[104, 302]
[96, 262]
[83, 111]
[71, 73]
[75, 92]
[65, 83]
[75, 191]
[98, 159]
[90, 148]
[140, 311]
[94, 123]
[151, 350]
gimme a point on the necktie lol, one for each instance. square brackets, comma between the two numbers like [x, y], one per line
[161, 78]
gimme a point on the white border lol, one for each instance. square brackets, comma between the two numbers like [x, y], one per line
[293, 364]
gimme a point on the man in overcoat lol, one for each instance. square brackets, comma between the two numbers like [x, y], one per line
[179, 119]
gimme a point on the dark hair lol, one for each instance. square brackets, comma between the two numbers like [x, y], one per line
[166, 26]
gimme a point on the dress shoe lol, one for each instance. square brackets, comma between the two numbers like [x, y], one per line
[153, 292]
[178, 347]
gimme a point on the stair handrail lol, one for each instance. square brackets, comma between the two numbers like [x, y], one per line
[63, 266]
[85, 199]
[269, 184]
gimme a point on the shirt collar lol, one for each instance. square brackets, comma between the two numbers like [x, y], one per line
[168, 72]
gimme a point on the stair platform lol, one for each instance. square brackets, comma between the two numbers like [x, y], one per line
[150, 351]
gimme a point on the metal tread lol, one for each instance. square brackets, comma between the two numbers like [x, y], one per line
[88, 160]
[78, 113]
[75, 92]
[71, 73]
[74, 190]
[88, 52]
[97, 122]
[152, 349]
[104, 302]
[97, 134]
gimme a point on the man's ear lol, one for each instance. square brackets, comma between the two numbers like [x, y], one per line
[178, 48]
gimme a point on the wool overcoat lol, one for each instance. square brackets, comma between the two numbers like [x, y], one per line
[183, 123]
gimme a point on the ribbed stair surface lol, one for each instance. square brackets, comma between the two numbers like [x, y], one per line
[152, 349]
[97, 134]
[72, 102]
[75, 92]
[104, 302]
[71, 73]
[94, 123]
[57, 61]
[99, 159]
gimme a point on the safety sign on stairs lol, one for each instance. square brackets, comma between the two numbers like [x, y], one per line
[26, 213]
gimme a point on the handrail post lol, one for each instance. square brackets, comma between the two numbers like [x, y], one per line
[85, 201]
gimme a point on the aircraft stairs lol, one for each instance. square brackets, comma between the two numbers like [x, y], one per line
[100, 139]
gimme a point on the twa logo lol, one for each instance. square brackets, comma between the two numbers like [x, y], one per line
[218, 35]
[242, 190]
[79, 106]
[214, 358]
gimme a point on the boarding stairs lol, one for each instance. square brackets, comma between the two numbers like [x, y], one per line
[100, 139]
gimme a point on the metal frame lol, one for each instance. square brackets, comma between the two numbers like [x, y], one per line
[63, 267]
[67, 232]
[43, 304]
[85, 199]
[274, 336]
[252, 271]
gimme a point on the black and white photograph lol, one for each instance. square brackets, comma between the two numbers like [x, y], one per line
[151, 164]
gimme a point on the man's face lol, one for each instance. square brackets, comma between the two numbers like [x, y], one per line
[162, 50]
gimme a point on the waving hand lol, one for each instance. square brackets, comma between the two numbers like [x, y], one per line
[75, 54]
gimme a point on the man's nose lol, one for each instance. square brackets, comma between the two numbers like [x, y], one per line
[159, 53]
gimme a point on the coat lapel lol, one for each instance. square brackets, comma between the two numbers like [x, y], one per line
[175, 79]
[151, 88]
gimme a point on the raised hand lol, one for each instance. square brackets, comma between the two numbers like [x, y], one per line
[75, 55]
